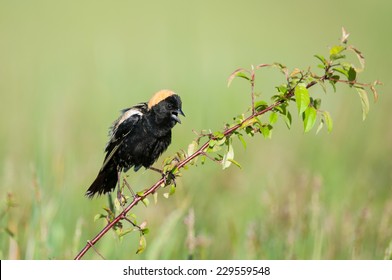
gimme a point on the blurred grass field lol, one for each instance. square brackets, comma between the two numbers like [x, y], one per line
[68, 67]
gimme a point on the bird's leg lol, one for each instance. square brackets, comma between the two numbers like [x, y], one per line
[120, 196]
[129, 187]
[167, 177]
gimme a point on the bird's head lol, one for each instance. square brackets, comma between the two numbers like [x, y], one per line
[167, 107]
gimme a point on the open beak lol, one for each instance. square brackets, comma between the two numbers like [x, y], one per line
[175, 115]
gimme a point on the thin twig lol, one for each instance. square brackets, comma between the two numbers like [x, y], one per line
[201, 151]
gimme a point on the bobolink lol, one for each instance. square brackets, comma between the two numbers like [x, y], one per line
[137, 138]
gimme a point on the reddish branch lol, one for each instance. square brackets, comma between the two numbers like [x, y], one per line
[181, 164]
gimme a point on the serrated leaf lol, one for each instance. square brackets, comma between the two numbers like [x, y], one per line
[240, 72]
[117, 204]
[218, 134]
[266, 130]
[323, 86]
[142, 244]
[228, 156]
[288, 119]
[235, 163]
[242, 140]
[352, 74]
[125, 232]
[260, 105]
[328, 120]
[302, 98]
[282, 88]
[337, 56]
[317, 103]
[295, 72]
[273, 117]
[342, 71]
[335, 50]
[360, 57]
[310, 118]
[249, 122]
[220, 141]
[364, 101]
[320, 126]
[375, 94]
[322, 59]
[262, 65]
[140, 193]
[145, 201]
[192, 147]
[99, 216]
[172, 189]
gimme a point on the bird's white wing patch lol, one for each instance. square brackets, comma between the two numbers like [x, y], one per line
[127, 114]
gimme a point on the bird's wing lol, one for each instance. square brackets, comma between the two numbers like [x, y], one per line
[121, 128]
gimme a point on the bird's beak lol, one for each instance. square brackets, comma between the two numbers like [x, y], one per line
[175, 115]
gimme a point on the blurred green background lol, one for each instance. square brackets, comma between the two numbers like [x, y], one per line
[68, 67]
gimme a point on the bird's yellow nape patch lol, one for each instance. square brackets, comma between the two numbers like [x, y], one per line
[159, 96]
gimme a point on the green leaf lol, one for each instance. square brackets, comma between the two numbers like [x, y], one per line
[364, 101]
[317, 103]
[125, 232]
[142, 244]
[212, 143]
[337, 56]
[342, 71]
[302, 98]
[360, 56]
[241, 72]
[273, 117]
[226, 161]
[218, 134]
[288, 119]
[320, 126]
[249, 122]
[310, 118]
[374, 91]
[282, 88]
[328, 120]
[352, 74]
[260, 105]
[266, 130]
[322, 85]
[335, 51]
[172, 189]
[117, 204]
[99, 216]
[242, 140]
[322, 59]
[235, 163]
[145, 201]
[192, 147]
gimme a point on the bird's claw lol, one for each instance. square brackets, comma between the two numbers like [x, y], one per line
[169, 178]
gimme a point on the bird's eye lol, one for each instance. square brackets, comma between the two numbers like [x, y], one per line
[169, 106]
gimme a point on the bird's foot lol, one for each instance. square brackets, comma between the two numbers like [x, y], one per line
[168, 177]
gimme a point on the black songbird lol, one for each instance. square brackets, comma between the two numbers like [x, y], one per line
[137, 138]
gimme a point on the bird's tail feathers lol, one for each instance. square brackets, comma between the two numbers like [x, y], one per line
[105, 182]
